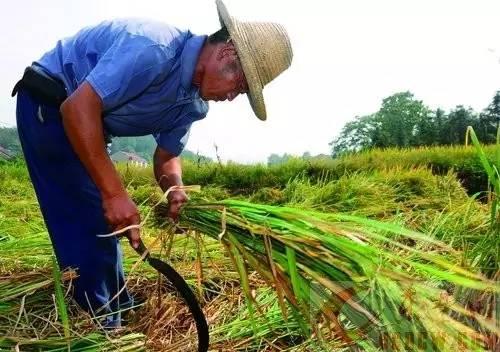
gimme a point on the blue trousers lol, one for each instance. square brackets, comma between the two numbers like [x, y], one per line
[72, 210]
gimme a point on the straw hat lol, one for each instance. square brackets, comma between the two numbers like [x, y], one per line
[264, 51]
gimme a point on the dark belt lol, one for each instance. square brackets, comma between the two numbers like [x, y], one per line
[45, 88]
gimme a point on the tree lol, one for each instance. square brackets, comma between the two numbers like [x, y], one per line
[456, 125]
[9, 139]
[489, 120]
[426, 131]
[143, 146]
[402, 121]
[196, 157]
[306, 156]
[274, 159]
[493, 111]
[355, 136]
[440, 119]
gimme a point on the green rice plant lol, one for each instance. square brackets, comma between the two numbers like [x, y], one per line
[462, 224]
[441, 159]
[15, 288]
[492, 237]
[35, 247]
[242, 179]
[382, 194]
[61, 305]
[359, 193]
[27, 322]
[491, 169]
[300, 253]
[486, 253]
[85, 343]
[266, 195]
[351, 271]
[251, 332]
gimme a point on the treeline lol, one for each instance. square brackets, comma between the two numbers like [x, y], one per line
[404, 121]
[10, 140]
[143, 146]
[275, 159]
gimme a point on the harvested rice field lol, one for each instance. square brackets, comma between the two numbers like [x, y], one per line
[371, 252]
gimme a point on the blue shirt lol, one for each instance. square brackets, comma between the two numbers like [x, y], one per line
[142, 70]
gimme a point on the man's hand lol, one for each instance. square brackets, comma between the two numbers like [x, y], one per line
[120, 211]
[176, 200]
[168, 173]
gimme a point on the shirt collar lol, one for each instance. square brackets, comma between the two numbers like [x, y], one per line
[189, 58]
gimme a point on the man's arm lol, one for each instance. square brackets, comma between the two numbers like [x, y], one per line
[168, 173]
[82, 121]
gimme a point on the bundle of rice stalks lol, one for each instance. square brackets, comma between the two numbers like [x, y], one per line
[31, 251]
[22, 287]
[90, 342]
[267, 331]
[366, 280]
[34, 317]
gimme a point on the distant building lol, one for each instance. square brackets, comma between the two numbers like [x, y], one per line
[130, 158]
[5, 153]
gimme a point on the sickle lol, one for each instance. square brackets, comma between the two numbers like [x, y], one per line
[185, 291]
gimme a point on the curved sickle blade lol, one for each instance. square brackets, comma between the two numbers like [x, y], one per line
[185, 291]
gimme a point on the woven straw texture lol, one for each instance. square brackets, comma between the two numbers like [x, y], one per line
[264, 51]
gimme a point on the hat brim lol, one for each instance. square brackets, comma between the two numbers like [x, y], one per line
[241, 43]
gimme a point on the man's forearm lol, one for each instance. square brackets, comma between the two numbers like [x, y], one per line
[83, 126]
[168, 173]
[167, 169]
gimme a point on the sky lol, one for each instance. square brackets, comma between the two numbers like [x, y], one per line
[348, 56]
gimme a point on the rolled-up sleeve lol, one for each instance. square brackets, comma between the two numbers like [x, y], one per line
[127, 69]
[175, 140]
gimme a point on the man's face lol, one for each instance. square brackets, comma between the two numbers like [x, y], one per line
[223, 78]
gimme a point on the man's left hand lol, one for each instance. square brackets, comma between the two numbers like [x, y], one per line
[176, 200]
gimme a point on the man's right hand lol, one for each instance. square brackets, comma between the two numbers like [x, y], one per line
[120, 211]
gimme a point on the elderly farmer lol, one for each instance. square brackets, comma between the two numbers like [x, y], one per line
[127, 78]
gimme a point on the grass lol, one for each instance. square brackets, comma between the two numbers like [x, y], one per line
[358, 222]
[247, 179]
